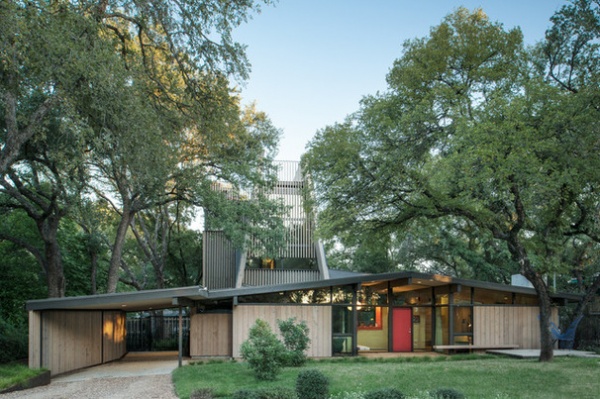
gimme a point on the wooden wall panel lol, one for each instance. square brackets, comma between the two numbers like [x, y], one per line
[318, 319]
[71, 340]
[210, 334]
[498, 325]
[34, 339]
[114, 343]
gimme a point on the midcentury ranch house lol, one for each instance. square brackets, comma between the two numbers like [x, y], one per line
[346, 312]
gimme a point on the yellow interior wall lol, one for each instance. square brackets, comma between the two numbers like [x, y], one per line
[375, 339]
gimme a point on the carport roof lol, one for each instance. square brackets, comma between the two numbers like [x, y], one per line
[172, 297]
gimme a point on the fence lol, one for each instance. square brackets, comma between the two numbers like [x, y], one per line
[157, 333]
[588, 333]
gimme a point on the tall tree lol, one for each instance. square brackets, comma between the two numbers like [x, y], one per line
[468, 130]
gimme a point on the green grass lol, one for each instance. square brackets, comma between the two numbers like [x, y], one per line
[475, 376]
[12, 374]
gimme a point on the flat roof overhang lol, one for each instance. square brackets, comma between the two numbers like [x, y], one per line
[173, 297]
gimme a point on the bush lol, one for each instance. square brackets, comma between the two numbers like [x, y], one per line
[447, 393]
[263, 351]
[312, 384]
[385, 393]
[13, 342]
[265, 393]
[296, 341]
[203, 393]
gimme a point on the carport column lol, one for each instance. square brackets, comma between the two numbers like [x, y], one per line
[180, 335]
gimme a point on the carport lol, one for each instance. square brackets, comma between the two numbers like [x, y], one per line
[67, 334]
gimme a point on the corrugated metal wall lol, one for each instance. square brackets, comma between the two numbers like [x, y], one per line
[219, 268]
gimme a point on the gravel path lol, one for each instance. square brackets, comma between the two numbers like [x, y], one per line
[144, 387]
[136, 376]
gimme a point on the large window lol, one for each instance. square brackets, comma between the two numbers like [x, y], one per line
[282, 263]
[369, 318]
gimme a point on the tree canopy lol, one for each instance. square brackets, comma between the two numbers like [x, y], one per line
[481, 133]
[117, 118]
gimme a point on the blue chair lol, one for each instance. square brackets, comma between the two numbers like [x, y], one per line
[565, 339]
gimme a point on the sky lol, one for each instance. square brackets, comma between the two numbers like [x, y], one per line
[313, 60]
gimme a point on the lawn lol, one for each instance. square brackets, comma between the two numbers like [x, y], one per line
[12, 374]
[475, 376]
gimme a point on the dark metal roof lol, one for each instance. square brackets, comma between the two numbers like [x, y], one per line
[167, 298]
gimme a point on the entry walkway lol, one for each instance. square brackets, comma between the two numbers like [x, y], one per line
[535, 353]
[139, 375]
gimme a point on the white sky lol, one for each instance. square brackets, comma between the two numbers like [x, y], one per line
[313, 60]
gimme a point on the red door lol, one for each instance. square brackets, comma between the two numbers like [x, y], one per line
[402, 330]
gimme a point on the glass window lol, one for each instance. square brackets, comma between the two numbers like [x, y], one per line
[322, 295]
[342, 320]
[441, 325]
[342, 294]
[369, 318]
[442, 295]
[489, 297]
[463, 297]
[463, 319]
[373, 295]
[526, 300]
[282, 263]
[410, 298]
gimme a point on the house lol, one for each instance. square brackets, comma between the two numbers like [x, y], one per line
[346, 312]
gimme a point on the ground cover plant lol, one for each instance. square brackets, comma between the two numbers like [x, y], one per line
[474, 376]
[12, 374]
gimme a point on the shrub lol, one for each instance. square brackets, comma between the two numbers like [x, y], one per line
[385, 393]
[13, 342]
[263, 351]
[265, 393]
[296, 341]
[446, 393]
[312, 384]
[203, 393]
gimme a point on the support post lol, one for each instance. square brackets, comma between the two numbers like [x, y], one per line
[180, 336]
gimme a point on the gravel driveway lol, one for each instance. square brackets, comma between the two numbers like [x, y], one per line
[137, 376]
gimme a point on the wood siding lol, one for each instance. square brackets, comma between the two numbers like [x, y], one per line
[318, 319]
[504, 325]
[113, 334]
[210, 334]
[219, 261]
[63, 341]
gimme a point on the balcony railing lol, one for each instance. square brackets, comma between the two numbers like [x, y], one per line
[257, 277]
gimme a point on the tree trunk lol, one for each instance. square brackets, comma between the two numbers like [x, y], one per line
[55, 277]
[519, 254]
[117, 250]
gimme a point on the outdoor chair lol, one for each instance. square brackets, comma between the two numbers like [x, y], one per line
[565, 339]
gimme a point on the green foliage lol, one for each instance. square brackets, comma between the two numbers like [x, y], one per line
[296, 341]
[13, 342]
[385, 393]
[484, 142]
[13, 374]
[263, 351]
[265, 393]
[202, 393]
[446, 393]
[312, 384]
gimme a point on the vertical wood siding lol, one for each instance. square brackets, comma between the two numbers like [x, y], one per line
[34, 339]
[113, 335]
[218, 260]
[63, 341]
[210, 334]
[256, 277]
[318, 319]
[497, 325]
